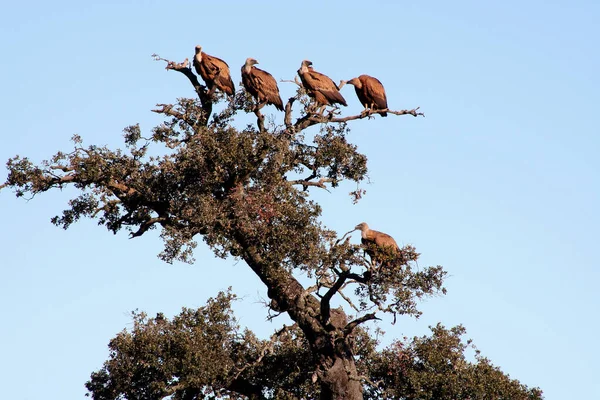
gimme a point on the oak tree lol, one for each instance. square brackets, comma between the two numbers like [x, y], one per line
[246, 192]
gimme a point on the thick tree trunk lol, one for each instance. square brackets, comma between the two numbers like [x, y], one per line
[325, 330]
[340, 381]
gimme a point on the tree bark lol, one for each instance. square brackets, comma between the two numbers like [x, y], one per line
[340, 381]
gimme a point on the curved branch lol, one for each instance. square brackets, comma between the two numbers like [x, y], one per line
[353, 324]
[325, 300]
[201, 90]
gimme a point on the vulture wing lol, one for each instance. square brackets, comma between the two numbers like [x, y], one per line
[384, 240]
[249, 84]
[218, 71]
[375, 91]
[265, 83]
[379, 246]
[327, 87]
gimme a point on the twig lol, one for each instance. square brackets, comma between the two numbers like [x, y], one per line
[296, 81]
[342, 238]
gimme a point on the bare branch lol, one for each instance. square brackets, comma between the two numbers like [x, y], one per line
[201, 90]
[146, 225]
[351, 325]
[168, 110]
[320, 183]
[325, 306]
[295, 80]
[312, 118]
[342, 238]
[288, 113]
[347, 299]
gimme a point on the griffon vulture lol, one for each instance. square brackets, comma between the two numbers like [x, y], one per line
[319, 86]
[261, 85]
[214, 71]
[378, 245]
[370, 92]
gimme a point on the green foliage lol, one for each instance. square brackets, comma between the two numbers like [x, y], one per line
[246, 193]
[203, 352]
[436, 368]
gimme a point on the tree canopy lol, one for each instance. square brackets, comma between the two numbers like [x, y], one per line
[246, 192]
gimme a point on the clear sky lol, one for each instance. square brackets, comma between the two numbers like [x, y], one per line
[499, 183]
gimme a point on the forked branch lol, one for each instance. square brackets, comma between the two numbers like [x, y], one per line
[201, 90]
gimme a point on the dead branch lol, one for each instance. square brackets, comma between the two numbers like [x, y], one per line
[201, 90]
[296, 81]
[313, 118]
[362, 115]
[305, 183]
[288, 113]
[347, 299]
[342, 238]
[351, 325]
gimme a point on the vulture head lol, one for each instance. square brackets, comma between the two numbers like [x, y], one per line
[198, 49]
[363, 227]
[251, 61]
[305, 66]
[356, 82]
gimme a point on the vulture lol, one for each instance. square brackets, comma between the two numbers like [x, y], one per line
[214, 71]
[319, 86]
[370, 92]
[375, 241]
[261, 85]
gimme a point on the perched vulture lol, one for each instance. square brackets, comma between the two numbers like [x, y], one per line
[319, 86]
[261, 85]
[214, 71]
[375, 241]
[370, 92]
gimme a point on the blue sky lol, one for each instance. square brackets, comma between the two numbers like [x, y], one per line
[499, 183]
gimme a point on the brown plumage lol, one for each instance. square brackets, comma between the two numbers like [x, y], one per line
[319, 86]
[378, 245]
[261, 85]
[370, 92]
[214, 71]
